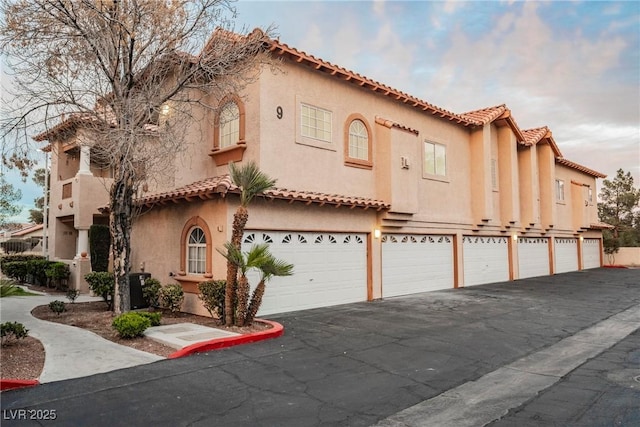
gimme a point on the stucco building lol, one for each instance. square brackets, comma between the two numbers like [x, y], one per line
[378, 193]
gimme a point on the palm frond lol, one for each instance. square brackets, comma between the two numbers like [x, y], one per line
[251, 181]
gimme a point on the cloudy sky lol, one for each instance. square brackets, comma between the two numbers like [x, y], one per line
[570, 65]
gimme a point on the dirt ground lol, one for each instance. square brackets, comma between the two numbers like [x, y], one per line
[25, 359]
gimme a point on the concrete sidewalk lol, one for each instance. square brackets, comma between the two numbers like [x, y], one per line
[70, 352]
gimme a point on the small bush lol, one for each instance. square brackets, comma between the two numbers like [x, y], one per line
[17, 257]
[151, 292]
[102, 283]
[154, 317]
[16, 245]
[58, 273]
[37, 271]
[212, 296]
[16, 270]
[72, 295]
[12, 331]
[172, 296]
[131, 325]
[57, 307]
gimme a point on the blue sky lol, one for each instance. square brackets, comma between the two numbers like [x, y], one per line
[570, 65]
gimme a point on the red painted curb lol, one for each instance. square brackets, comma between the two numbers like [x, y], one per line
[276, 330]
[615, 266]
[10, 384]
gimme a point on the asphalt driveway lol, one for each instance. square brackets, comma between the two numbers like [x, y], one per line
[359, 364]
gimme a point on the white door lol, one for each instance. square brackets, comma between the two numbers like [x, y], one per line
[415, 263]
[329, 269]
[591, 253]
[486, 260]
[533, 256]
[566, 251]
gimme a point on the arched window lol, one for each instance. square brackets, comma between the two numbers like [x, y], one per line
[196, 248]
[357, 142]
[196, 251]
[229, 127]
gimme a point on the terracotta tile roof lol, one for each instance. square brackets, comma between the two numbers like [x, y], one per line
[533, 136]
[390, 123]
[576, 166]
[221, 185]
[321, 65]
[70, 123]
[600, 226]
[485, 115]
[27, 230]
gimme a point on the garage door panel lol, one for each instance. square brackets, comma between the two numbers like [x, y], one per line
[416, 263]
[486, 260]
[591, 253]
[329, 269]
[566, 255]
[533, 257]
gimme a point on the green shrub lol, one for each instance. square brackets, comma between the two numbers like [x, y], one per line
[17, 257]
[151, 292]
[154, 317]
[99, 242]
[172, 296]
[72, 295]
[12, 331]
[131, 324]
[212, 296]
[58, 273]
[102, 283]
[57, 307]
[16, 270]
[37, 271]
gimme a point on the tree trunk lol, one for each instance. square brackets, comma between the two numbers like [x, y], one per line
[121, 216]
[243, 299]
[256, 301]
[240, 219]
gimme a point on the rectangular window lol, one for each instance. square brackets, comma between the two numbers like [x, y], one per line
[590, 194]
[315, 122]
[559, 190]
[435, 159]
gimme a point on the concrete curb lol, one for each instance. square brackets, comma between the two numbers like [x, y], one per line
[10, 384]
[219, 343]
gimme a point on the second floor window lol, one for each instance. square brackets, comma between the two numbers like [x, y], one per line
[315, 122]
[196, 251]
[435, 159]
[229, 125]
[358, 141]
[559, 190]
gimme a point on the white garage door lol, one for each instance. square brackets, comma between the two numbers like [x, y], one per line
[533, 256]
[486, 260]
[566, 251]
[591, 253]
[329, 269]
[415, 263]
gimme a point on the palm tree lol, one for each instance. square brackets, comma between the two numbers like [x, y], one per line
[257, 256]
[269, 268]
[251, 181]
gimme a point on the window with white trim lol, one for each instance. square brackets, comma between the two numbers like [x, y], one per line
[435, 159]
[196, 251]
[229, 125]
[358, 140]
[315, 122]
[559, 190]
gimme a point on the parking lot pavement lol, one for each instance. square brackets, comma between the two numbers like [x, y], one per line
[359, 364]
[603, 391]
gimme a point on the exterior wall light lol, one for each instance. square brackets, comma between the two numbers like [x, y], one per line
[377, 233]
[514, 237]
[164, 110]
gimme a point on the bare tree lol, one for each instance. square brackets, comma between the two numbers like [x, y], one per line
[132, 73]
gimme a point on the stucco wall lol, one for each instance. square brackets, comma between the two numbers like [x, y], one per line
[625, 256]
